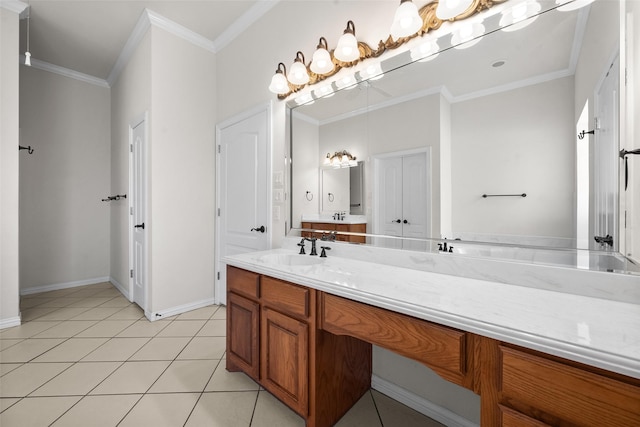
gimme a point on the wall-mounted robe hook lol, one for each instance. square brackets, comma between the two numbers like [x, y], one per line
[582, 134]
[29, 149]
[330, 197]
[309, 196]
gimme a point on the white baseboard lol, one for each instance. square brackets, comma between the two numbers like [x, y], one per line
[10, 322]
[178, 310]
[419, 404]
[57, 286]
[124, 290]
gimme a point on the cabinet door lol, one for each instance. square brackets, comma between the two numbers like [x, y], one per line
[285, 365]
[242, 335]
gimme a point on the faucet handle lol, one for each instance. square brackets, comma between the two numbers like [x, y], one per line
[301, 244]
[323, 253]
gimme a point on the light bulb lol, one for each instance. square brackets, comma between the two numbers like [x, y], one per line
[406, 21]
[321, 62]
[449, 9]
[298, 74]
[347, 49]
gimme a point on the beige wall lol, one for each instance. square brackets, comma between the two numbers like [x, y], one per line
[182, 172]
[130, 99]
[9, 169]
[64, 225]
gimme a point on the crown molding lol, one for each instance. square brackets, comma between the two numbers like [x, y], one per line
[245, 21]
[66, 72]
[15, 6]
[136, 36]
[180, 31]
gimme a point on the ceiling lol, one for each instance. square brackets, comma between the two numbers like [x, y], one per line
[87, 36]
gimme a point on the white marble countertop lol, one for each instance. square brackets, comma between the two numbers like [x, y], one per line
[595, 331]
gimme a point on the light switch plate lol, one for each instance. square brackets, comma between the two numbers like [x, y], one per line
[278, 196]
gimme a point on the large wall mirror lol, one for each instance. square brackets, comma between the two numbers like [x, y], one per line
[482, 144]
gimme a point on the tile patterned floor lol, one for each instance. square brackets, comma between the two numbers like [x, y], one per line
[86, 356]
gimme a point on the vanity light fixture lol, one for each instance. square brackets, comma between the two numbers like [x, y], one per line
[347, 49]
[520, 15]
[324, 91]
[340, 159]
[572, 5]
[298, 74]
[27, 54]
[406, 21]
[449, 9]
[321, 62]
[279, 84]
[467, 35]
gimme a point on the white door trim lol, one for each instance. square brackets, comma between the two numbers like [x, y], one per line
[268, 108]
[144, 117]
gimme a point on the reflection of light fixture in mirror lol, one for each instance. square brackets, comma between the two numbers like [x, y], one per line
[305, 99]
[279, 82]
[448, 9]
[27, 54]
[347, 82]
[520, 15]
[321, 62]
[576, 4]
[426, 51]
[467, 35]
[406, 21]
[372, 72]
[340, 159]
[324, 91]
[347, 49]
[298, 74]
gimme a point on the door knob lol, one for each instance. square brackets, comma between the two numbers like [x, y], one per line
[405, 222]
[261, 229]
[139, 226]
[397, 220]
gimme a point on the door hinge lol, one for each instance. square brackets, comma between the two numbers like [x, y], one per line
[131, 148]
[131, 210]
[219, 149]
[218, 275]
[131, 273]
[218, 211]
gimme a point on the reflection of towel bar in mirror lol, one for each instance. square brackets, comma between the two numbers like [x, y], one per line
[116, 197]
[484, 196]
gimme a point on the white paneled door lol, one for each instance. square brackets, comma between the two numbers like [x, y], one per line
[243, 189]
[402, 195]
[138, 213]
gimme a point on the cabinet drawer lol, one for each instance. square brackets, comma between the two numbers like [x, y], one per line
[439, 347]
[243, 282]
[564, 393]
[511, 418]
[286, 297]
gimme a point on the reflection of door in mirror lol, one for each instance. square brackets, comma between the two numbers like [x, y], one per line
[356, 194]
[402, 199]
[606, 162]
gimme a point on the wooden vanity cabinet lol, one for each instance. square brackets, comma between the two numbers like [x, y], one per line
[349, 228]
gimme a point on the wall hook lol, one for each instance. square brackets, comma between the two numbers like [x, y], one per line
[582, 134]
[309, 196]
[29, 149]
[330, 197]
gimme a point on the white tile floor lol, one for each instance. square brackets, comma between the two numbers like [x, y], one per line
[87, 357]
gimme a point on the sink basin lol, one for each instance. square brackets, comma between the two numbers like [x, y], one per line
[290, 259]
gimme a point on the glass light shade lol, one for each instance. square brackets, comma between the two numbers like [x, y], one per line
[448, 9]
[27, 59]
[577, 4]
[519, 16]
[348, 82]
[372, 72]
[468, 35]
[279, 84]
[347, 49]
[321, 62]
[327, 160]
[426, 51]
[406, 21]
[298, 74]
